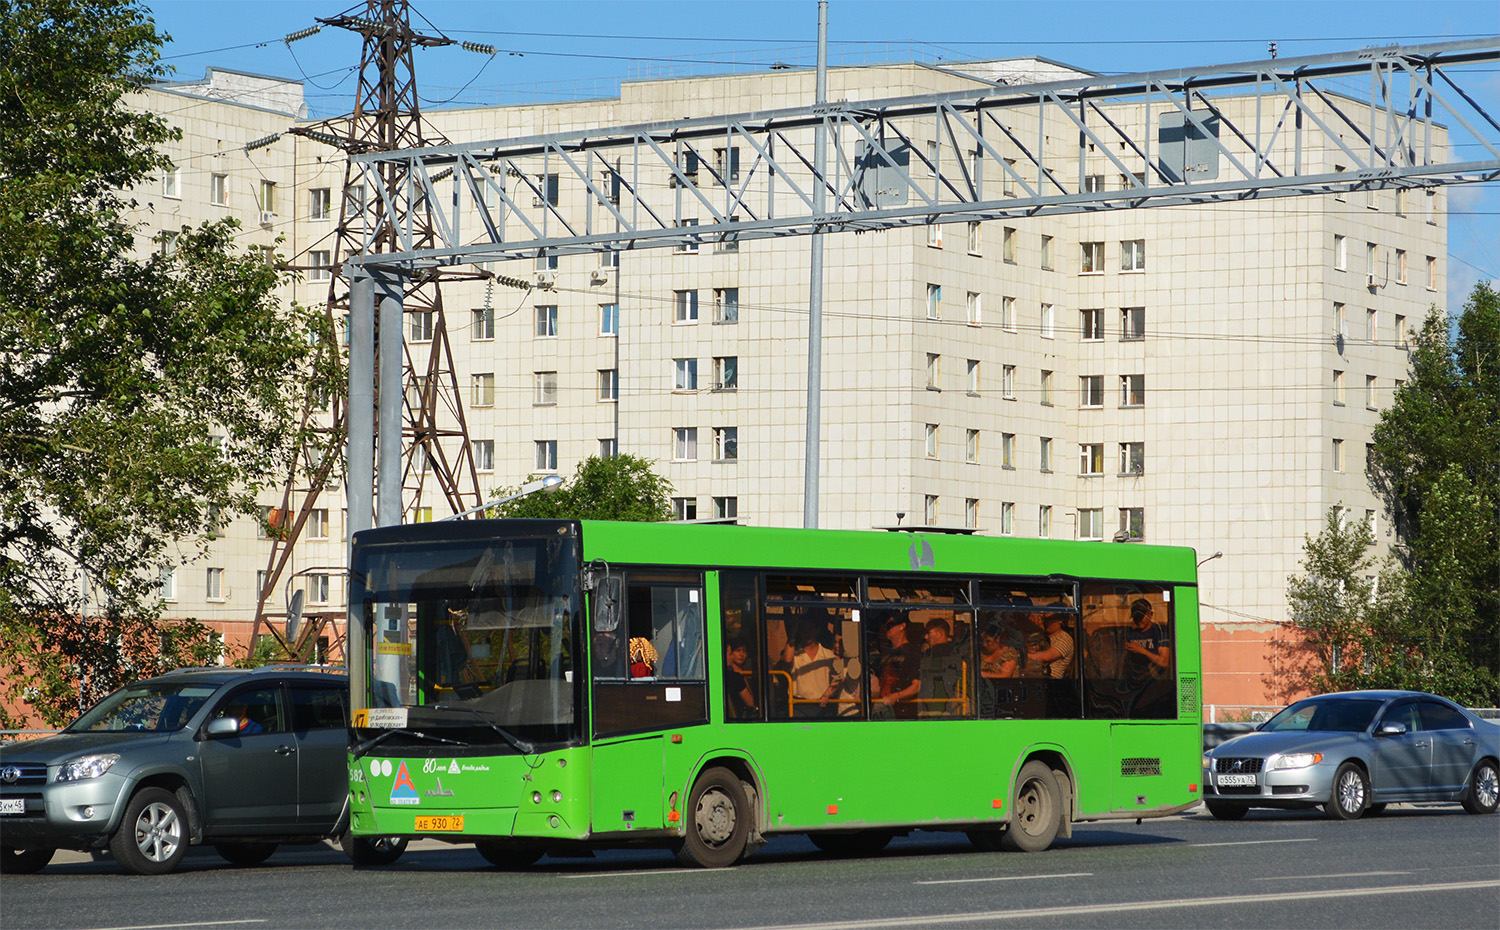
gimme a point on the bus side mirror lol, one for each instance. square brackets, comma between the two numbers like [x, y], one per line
[607, 604]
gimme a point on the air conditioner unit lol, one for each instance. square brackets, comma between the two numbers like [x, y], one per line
[267, 217]
[599, 275]
[545, 278]
[538, 201]
[1370, 279]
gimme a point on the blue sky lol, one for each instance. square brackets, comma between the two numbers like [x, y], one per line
[563, 49]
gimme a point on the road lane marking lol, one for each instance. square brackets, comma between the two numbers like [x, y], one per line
[196, 923]
[1163, 904]
[1001, 878]
[1306, 878]
[618, 873]
[1309, 839]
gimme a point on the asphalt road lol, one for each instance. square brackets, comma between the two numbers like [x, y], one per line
[1411, 867]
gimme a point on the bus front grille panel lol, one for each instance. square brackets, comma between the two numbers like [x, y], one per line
[1142, 765]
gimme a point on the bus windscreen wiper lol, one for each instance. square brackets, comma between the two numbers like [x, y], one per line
[374, 741]
[519, 745]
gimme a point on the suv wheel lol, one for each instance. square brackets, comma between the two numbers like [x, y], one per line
[152, 838]
[24, 861]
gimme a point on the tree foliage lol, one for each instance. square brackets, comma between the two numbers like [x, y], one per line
[621, 487]
[143, 394]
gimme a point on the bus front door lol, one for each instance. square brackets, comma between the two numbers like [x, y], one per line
[627, 784]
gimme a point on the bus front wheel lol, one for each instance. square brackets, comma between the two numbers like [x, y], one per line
[718, 821]
[1037, 814]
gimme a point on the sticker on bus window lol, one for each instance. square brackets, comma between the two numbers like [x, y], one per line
[674, 694]
[854, 615]
[1166, 595]
[693, 596]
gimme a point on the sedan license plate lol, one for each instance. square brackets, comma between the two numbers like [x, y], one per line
[1236, 781]
[12, 805]
[443, 823]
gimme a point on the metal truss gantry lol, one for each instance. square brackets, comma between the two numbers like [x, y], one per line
[1373, 118]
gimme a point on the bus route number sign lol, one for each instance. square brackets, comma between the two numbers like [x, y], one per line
[441, 823]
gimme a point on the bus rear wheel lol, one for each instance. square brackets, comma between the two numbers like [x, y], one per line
[1037, 814]
[718, 821]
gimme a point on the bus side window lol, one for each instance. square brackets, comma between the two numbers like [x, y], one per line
[1129, 664]
[740, 621]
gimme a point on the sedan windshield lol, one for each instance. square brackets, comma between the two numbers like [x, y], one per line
[157, 707]
[1330, 714]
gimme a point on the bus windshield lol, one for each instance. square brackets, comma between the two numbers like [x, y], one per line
[477, 634]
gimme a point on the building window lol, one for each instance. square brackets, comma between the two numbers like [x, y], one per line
[726, 443]
[1091, 257]
[974, 238]
[482, 393]
[1091, 523]
[1132, 458]
[726, 305]
[1340, 320]
[422, 515]
[690, 244]
[1133, 255]
[935, 235]
[1132, 324]
[1400, 266]
[320, 203]
[1008, 382]
[971, 446]
[1047, 253]
[1045, 449]
[1338, 388]
[934, 302]
[267, 197]
[973, 375]
[727, 163]
[1008, 245]
[609, 384]
[1007, 518]
[214, 587]
[1370, 391]
[171, 184]
[934, 372]
[546, 320]
[1398, 327]
[1008, 182]
[218, 190]
[1093, 184]
[727, 373]
[1008, 313]
[1132, 390]
[608, 448]
[421, 324]
[971, 512]
[1044, 521]
[685, 508]
[930, 509]
[1133, 522]
[685, 444]
[1091, 391]
[1048, 321]
[320, 265]
[726, 508]
[1400, 201]
[317, 523]
[1338, 455]
[167, 584]
[484, 454]
[932, 441]
[1091, 458]
[1431, 273]
[975, 310]
[1340, 253]
[1372, 331]
[609, 319]
[544, 385]
[1046, 389]
[685, 306]
[317, 588]
[685, 377]
[1007, 450]
[550, 189]
[546, 455]
[483, 327]
[1091, 324]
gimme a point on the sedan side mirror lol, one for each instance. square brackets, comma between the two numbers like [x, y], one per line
[1390, 729]
[223, 726]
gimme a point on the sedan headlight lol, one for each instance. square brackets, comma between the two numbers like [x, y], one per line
[1297, 760]
[87, 766]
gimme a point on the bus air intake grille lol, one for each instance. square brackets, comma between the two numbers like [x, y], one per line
[1187, 697]
[1140, 766]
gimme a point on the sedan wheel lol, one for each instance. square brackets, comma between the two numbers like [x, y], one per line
[1483, 796]
[1351, 793]
[152, 837]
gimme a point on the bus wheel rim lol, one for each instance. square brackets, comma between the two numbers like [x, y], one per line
[715, 817]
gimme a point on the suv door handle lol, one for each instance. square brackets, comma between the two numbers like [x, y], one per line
[1419, 744]
[1468, 742]
[284, 750]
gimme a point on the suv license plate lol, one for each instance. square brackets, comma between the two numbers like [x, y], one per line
[12, 805]
[1236, 781]
[448, 823]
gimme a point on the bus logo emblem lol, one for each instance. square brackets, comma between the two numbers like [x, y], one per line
[403, 791]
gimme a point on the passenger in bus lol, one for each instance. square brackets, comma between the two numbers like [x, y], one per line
[816, 671]
[940, 671]
[901, 668]
[1148, 649]
[851, 684]
[609, 659]
[1057, 655]
[737, 680]
[642, 657]
[996, 658]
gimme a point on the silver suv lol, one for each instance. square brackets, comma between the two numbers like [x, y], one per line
[241, 759]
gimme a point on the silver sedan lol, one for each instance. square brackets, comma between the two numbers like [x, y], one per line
[1355, 752]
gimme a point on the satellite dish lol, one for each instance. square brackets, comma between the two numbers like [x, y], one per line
[294, 613]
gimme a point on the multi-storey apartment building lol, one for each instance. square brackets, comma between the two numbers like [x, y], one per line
[1204, 376]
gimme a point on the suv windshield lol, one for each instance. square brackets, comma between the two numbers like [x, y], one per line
[1337, 714]
[156, 707]
[474, 634]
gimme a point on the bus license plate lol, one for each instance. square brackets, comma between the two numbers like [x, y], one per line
[1236, 781]
[443, 823]
[13, 806]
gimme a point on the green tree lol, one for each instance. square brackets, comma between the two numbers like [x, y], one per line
[620, 487]
[142, 395]
[1332, 600]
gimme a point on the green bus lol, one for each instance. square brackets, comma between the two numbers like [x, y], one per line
[540, 686]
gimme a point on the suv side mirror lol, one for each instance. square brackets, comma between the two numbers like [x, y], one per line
[223, 726]
[1390, 729]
